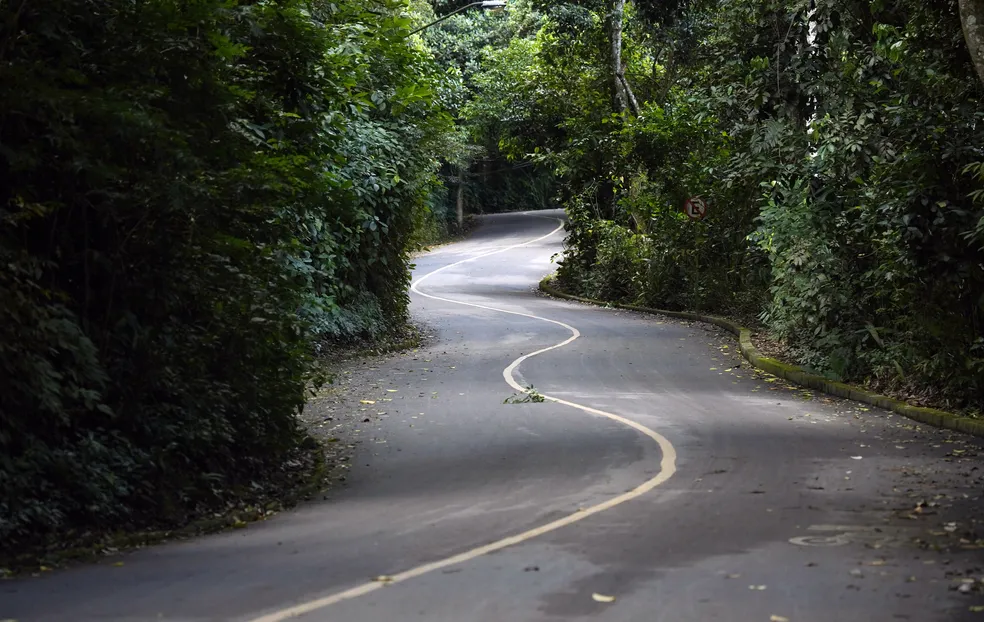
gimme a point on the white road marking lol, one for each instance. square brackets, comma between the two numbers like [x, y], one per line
[667, 464]
[883, 536]
[837, 540]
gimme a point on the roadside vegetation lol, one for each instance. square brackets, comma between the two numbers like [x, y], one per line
[197, 197]
[838, 145]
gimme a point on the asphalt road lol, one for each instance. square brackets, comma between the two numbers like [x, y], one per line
[669, 484]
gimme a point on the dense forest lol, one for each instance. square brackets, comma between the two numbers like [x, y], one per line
[837, 144]
[198, 194]
[193, 196]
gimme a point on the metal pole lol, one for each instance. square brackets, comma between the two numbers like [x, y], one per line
[441, 19]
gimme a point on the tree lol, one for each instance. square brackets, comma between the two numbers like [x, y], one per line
[624, 94]
[193, 197]
[972, 20]
[838, 144]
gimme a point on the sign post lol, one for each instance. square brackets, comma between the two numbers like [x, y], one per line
[696, 209]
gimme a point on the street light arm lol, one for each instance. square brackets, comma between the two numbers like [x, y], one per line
[441, 19]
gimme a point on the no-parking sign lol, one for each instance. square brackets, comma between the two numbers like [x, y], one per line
[695, 208]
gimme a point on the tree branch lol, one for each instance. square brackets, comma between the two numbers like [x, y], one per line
[633, 102]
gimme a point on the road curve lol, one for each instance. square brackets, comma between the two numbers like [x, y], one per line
[461, 508]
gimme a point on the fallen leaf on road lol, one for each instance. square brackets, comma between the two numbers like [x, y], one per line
[855, 457]
[756, 587]
[775, 618]
[602, 598]
[118, 564]
[367, 402]
[384, 579]
[977, 608]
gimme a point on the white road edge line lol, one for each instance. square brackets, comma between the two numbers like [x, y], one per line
[667, 464]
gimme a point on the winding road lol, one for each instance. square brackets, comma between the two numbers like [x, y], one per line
[659, 480]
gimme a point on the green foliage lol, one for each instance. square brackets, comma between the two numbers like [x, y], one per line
[838, 147]
[530, 395]
[868, 220]
[191, 193]
[476, 46]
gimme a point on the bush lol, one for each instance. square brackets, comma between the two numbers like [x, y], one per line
[190, 194]
[839, 149]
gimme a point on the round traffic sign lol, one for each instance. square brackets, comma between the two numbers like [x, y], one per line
[695, 208]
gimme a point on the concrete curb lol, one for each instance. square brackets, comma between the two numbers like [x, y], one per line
[930, 416]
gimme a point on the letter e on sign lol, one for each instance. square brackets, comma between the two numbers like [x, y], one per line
[695, 208]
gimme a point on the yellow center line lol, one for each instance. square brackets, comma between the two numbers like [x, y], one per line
[667, 463]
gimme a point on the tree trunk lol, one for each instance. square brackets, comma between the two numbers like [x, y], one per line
[618, 13]
[972, 20]
[624, 96]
